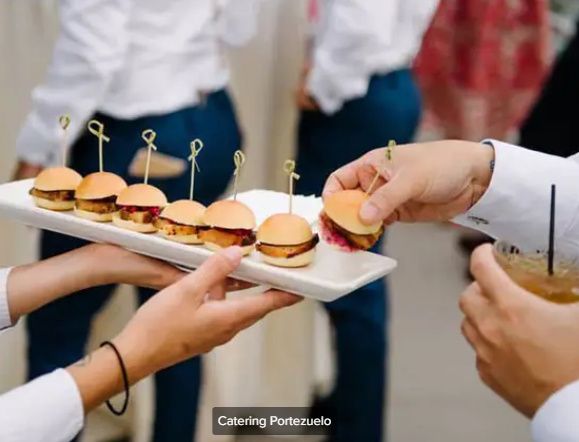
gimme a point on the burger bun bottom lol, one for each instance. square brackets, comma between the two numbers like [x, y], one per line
[131, 225]
[92, 216]
[333, 238]
[215, 248]
[57, 206]
[183, 239]
[301, 260]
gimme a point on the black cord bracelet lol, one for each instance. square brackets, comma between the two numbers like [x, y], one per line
[125, 380]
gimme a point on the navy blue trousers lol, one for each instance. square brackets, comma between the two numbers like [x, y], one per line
[390, 110]
[57, 333]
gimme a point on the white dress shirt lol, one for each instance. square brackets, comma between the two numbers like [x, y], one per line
[48, 409]
[516, 208]
[5, 320]
[128, 59]
[357, 39]
[516, 205]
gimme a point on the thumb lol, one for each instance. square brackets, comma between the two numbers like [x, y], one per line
[251, 309]
[494, 282]
[387, 198]
[212, 272]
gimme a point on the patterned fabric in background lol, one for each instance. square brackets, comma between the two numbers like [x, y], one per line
[482, 65]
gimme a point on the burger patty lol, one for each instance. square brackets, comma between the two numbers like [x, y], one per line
[363, 242]
[227, 237]
[99, 206]
[139, 215]
[288, 251]
[172, 228]
[53, 195]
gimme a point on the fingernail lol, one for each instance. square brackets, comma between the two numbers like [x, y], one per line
[233, 254]
[326, 193]
[369, 213]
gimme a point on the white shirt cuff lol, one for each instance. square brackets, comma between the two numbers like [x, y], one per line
[319, 88]
[516, 205]
[329, 92]
[5, 320]
[558, 418]
[48, 409]
[36, 144]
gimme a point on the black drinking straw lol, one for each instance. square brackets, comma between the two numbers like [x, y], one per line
[551, 253]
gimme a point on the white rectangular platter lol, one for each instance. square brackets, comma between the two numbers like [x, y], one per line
[333, 273]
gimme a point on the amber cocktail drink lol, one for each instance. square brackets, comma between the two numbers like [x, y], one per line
[529, 270]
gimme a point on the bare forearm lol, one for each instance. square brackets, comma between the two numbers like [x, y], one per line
[150, 342]
[34, 285]
[99, 376]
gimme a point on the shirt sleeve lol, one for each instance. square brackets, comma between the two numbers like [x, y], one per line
[516, 206]
[90, 48]
[5, 320]
[557, 419]
[351, 31]
[237, 22]
[48, 409]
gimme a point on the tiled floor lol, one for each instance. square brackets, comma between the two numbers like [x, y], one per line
[435, 395]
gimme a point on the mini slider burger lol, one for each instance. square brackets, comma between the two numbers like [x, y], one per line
[138, 207]
[181, 221]
[341, 226]
[54, 188]
[286, 240]
[96, 196]
[228, 223]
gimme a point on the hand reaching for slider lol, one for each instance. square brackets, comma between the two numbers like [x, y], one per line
[186, 319]
[421, 182]
[303, 98]
[25, 170]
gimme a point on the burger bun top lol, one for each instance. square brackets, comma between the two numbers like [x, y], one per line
[142, 195]
[344, 207]
[57, 178]
[187, 212]
[229, 214]
[100, 185]
[284, 229]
